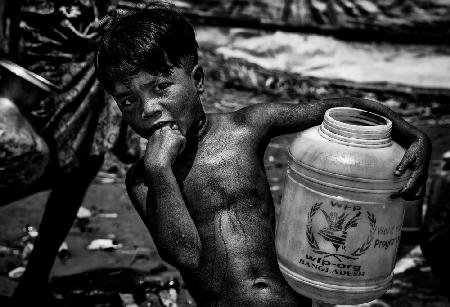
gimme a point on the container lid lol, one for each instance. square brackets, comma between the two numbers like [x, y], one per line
[357, 127]
[350, 144]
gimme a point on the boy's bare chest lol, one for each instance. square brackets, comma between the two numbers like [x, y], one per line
[224, 171]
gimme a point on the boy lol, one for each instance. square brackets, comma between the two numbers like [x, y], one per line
[200, 187]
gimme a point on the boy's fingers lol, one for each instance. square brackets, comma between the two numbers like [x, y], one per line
[397, 194]
[420, 192]
[174, 130]
[403, 165]
[411, 189]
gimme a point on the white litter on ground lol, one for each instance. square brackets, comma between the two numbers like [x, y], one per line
[103, 244]
[16, 273]
[84, 213]
[412, 259]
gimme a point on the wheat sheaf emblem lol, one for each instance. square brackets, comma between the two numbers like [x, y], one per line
[336, 232]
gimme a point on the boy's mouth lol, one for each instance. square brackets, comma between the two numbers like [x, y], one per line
[159, 125]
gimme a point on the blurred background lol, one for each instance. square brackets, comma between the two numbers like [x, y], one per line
[258, 51]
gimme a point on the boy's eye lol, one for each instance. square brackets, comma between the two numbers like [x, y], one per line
[161, 86]
[128, 101]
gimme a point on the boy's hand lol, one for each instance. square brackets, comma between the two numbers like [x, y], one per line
[417, 159]
[163, 147]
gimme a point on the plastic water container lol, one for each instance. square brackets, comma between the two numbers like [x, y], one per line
[337, 229]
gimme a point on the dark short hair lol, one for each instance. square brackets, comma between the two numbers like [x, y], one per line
[153, 39]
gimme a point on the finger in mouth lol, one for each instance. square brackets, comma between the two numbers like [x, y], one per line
[172, 125]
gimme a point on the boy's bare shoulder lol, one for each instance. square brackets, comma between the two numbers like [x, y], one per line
[260, 115]
[238, 118]
[240, 125]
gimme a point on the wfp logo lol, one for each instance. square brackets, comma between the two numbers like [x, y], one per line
[337, 228]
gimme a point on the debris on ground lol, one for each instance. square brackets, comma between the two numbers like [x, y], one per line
[110, 215]
[5, 251]
[412, 259]
[63, 251]
[169, 294]
[29, 236]
[168, 297]
[104, 245]
[84, 213]
[127, 300]
[16, 273]
[107, 178]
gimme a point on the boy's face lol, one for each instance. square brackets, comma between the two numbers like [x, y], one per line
[148, 100]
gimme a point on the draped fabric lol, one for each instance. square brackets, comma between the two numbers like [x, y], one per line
[57, 40]
[383, 15]
[420, 21]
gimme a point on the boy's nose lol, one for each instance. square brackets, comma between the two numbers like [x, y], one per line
[151, 111]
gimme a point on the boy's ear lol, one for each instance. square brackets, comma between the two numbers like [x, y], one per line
[199, 78]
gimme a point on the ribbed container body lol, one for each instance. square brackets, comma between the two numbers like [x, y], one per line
[337, 229]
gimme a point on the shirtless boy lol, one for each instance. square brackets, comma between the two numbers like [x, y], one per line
[200, 187]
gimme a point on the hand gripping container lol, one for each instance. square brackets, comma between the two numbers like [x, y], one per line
[337, 228]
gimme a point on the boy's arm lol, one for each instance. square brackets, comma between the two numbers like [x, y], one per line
[274, 119]
[155, 193]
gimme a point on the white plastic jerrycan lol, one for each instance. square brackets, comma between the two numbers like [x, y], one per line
[337, 229]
